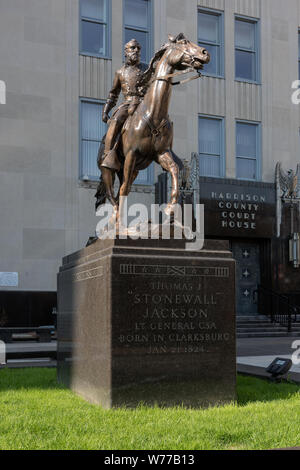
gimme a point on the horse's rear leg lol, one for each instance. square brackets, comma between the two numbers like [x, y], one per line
[129, 176]
[167, 163]
[121, 178]
[134, 176]
[108, 177]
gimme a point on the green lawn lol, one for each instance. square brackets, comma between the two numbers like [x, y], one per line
[36, 413]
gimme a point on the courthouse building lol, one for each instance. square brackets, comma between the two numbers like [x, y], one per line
[57, 59]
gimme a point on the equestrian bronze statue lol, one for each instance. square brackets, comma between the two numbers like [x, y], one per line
[140, 131]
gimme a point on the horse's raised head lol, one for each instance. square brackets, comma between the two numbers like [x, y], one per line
[187, 54]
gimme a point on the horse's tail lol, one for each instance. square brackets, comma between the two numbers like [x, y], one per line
[100, 194]
[100, 155]
[101, 189]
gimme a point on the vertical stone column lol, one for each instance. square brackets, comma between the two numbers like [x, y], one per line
[182, 18]
[230, 88]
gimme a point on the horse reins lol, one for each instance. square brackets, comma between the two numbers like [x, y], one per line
[180, 82]
[155, 131]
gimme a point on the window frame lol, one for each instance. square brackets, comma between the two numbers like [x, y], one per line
[258, 149]
[107, 23]
[83, 100]
[222, 155]
[256, 50]
[221, 44]
[148, 30]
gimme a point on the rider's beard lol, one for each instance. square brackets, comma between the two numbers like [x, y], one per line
[132, 58]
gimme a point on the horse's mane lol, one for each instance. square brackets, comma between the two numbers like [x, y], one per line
[150, 71]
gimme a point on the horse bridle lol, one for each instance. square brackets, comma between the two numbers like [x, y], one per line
[188, 70]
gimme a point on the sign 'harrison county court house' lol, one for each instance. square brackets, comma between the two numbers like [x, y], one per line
[239, 211]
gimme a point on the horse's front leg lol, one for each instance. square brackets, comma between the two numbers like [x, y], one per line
[167, 163]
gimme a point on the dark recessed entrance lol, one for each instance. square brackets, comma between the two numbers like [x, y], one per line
[25, 309]
[247, 256]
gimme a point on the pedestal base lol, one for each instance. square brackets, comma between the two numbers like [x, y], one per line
[146, 321]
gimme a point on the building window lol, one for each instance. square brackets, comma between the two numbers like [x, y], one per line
[211, 146]
[248, 149]
[138, 25]
[146, 177]
[95, 27]
[92, 131]
[246, 50]
[211, 36]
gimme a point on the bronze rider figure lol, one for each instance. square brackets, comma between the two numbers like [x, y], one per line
[130, 80]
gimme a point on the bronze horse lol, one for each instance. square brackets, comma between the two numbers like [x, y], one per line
[147, 136]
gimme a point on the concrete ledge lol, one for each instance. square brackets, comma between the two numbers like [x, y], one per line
[256, 367]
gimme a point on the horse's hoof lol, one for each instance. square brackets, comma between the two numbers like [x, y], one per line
[113, 221]
[170, 209]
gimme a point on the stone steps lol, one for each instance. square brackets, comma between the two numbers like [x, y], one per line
[259, 326]
[254, 317]
[251, 324]
[275, 329]
[265, 325]
[270, 334]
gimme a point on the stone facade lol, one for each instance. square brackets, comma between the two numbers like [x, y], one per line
[46, 211]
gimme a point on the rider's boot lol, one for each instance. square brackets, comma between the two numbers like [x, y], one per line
[110, 159]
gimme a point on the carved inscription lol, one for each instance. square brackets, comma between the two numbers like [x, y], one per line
[89, 274]
[191, 271]
[174, 316]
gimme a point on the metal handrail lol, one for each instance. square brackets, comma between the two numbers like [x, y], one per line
[277, 306]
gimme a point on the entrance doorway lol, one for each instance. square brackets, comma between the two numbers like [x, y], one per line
[247, 256]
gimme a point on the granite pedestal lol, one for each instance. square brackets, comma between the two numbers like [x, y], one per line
[147, 321]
